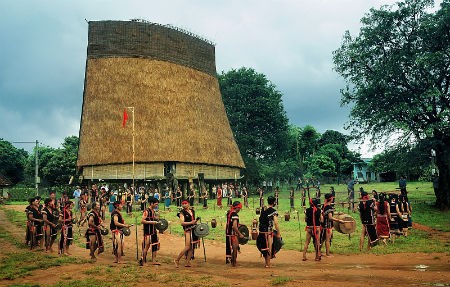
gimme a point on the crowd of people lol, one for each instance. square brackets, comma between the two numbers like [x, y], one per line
[383, 217]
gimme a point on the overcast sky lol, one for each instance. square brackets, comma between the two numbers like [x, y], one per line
[43, 54]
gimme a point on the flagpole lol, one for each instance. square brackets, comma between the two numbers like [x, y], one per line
[132, 115]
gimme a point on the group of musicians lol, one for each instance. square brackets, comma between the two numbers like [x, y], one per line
[44, 221]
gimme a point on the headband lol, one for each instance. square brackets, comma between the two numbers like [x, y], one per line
[238, 206]
[185, 202]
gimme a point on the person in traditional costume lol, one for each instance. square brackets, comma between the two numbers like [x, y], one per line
[104, 198]
[65, 218]
[205, 197]
[151, 240]
[50, 222]
[29, 223]
[83, 201]
[36, 223]
[167, 198]
[383, 216]
[93, 233]
[395, 216]
[117, 224]
[129, 201]
[404, 209]
[245, 196]
[219, 196]
[269, 231]
[191, 241]
[313, 218]
[367, 209]
[178, 196]
[327, 224]
[232, 233]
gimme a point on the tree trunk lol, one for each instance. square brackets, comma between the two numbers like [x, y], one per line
[443, 165]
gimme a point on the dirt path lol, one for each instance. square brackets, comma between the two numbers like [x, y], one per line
[407, 269]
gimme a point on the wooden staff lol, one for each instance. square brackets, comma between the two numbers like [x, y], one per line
[137, 246]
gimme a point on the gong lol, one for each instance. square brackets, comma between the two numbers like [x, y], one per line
[104, 231]
[162, 225]
[201, 230]
[126, 231]
[244, 230]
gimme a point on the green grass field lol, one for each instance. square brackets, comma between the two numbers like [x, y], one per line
[420, 194]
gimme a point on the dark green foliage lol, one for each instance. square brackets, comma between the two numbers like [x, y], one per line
[398, 75]
[257, 117]
[56, 165]
[12, 161]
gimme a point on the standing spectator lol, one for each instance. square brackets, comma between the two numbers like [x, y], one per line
[219, 196]
[76, 196]
[351, 194]
[402, 185]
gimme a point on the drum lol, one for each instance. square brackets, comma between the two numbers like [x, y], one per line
[244, 230]
[348, 227]
[287, 216]
[277, 242]
[126, 231]
[162, 225]
[213, 223]
[201, 230]
[258, 210]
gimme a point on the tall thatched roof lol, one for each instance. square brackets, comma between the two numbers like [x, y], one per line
[179, 115]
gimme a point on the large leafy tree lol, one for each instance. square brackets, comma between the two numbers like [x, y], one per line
[256, 114]
[56, 165]
[398, 75]
[12, 161]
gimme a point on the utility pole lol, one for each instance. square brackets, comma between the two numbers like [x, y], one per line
[37, 180]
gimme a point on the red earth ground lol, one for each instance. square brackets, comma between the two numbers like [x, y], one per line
[366, 269]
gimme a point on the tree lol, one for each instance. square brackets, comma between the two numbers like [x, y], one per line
[308, 141]
[398, 75]
[12, 161]
[57, 165]
[256, 114]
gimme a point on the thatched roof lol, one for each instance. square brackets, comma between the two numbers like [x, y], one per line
[179, 115]
[169, 78]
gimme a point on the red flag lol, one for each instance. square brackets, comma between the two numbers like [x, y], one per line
[125, 117]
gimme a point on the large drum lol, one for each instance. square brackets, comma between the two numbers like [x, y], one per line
[348, 227]
[244, 230]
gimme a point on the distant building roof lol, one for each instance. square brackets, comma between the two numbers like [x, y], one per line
[4, 181]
